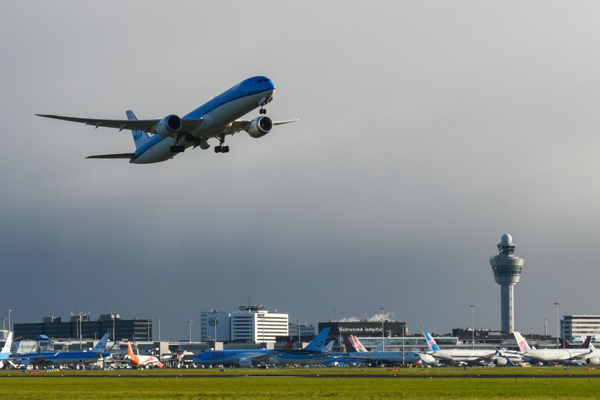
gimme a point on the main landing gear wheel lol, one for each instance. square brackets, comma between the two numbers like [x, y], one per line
[262, 111]
[177, 149]
[222, 149]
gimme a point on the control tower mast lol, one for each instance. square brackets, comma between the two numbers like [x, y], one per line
[507, 273]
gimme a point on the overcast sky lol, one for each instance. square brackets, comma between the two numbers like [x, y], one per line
[429, 129]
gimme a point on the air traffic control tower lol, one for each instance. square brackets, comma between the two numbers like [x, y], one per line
[507, 273]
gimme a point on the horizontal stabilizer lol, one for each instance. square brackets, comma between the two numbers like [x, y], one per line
[128, 156]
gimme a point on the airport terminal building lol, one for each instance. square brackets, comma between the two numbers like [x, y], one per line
[251, 324]
[80, 326]
[365, 328]
[577, 327]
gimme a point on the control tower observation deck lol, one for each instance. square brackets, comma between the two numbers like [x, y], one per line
[507, 273]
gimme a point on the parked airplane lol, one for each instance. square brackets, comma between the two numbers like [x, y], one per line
[63, 357]
[589, 356]
[5, 353]
[357, 351]
[467, 356]
[215, 119]
[246, 358]
[142, 361]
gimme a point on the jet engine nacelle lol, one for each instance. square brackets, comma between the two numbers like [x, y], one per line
[593, 361]
[260, 126]
[168, 126]
[245, 362]
[500, 361]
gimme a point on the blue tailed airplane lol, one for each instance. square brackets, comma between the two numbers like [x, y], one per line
[159, 140]
[312, 353]
[63, 357]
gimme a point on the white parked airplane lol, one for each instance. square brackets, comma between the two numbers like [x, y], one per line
[467, 356]
[215, 119]
[589, 356]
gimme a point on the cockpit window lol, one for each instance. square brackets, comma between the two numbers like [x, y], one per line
[261, 80]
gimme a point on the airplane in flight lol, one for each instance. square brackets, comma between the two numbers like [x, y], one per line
[379, 358]
[246, 358]
[469, 356]
[589, 355]
[142, 361]
[63, 357]
[158, 140]
[5, 353]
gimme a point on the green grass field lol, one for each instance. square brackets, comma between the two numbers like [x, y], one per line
[304, 384]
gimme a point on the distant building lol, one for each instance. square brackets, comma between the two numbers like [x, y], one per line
[365, 328]
[307, 332]
[80, 326]
[577, 327]
[252, 324]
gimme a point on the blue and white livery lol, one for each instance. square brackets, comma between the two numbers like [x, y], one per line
[311, 354]
[159, 140]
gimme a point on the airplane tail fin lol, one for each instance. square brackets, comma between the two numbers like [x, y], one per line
[565, 344]
[329, 347]
[139, 137]
[318, 343]
[348, 344]
[523, 346]
[431, 342]
[101, 345]
[586, 344]
[5, 353]
[132, 357]
[358, 345]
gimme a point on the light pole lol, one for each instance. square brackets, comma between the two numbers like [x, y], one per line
[473, 325]
[190, 326]
[159, 320]
[299, 342]
[9, 311]
[557, 304]
[114, 318]
[382, 328]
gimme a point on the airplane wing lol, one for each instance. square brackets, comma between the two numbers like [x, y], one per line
[146, 125]
[244, 124]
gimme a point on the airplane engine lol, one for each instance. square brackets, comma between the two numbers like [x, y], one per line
[593, 361]
[260, 126]
[245, 362]
[377, 363]
[500, 361]
[169, 125]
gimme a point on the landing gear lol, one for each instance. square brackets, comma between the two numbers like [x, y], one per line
[177, 149]
[262, 110]
[221, 148]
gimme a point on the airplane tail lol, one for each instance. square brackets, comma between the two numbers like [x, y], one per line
[139, 137]
[586, 344]
[523, 346]
[348, 344]
[5, 353]
[329, 347]
[358, 345]
[431, 342]
[132, 357]
[564, 344]
[318, 343]
[101, 345]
